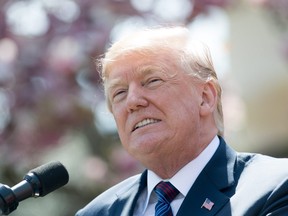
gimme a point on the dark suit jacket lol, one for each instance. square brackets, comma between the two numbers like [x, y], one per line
[238, 184]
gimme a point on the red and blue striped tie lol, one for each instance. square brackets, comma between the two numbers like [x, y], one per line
[166, 192]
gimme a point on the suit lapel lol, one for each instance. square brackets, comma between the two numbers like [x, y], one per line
[130, 197]
[215, 178]
[194, 203]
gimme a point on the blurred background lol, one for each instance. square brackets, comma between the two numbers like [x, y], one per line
[51, 101]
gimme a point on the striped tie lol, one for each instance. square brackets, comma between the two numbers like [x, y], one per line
[166, 192]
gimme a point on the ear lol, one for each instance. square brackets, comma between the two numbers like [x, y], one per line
[209, 99]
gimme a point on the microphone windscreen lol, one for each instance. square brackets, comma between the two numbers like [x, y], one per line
[52, 176]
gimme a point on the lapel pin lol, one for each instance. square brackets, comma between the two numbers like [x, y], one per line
[208, 204]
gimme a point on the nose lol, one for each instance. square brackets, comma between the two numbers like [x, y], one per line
[136, 99]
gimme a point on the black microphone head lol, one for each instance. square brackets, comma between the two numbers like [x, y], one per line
[51, 176]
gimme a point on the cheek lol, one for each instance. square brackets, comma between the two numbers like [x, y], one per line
[185, 112]
[120, 118]
[118, 110]
[121, 132]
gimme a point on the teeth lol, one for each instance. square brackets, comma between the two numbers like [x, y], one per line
[145, 122]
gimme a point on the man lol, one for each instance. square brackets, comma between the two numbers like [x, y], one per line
[165, 97]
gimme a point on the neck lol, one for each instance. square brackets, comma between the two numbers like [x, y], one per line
[168, 164]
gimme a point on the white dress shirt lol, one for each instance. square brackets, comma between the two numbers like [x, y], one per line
[182, 180]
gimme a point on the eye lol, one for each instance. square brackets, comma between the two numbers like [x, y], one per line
[118, 94]
[153, 82]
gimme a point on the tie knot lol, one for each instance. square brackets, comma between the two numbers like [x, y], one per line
[165, 191]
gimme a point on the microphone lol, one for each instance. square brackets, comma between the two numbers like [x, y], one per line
[36, 183]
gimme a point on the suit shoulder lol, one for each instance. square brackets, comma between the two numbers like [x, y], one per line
[262, 184]
[263, 166]
[102, 203]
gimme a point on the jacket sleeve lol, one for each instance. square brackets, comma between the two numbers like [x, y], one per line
[277, 202]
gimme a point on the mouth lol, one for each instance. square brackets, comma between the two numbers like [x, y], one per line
[144, 123]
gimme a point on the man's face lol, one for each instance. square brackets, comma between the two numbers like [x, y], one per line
[156, 107]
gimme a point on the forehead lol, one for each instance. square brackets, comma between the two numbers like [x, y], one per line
[137, 66]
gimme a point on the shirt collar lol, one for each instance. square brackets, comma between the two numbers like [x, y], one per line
[185, 177]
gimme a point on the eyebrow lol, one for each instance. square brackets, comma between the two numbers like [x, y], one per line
[142, 71]
[114, 83]
[148, 70]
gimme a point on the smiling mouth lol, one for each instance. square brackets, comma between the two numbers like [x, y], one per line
[144, 123]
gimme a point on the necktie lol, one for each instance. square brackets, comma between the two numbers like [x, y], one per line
[166, 192]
